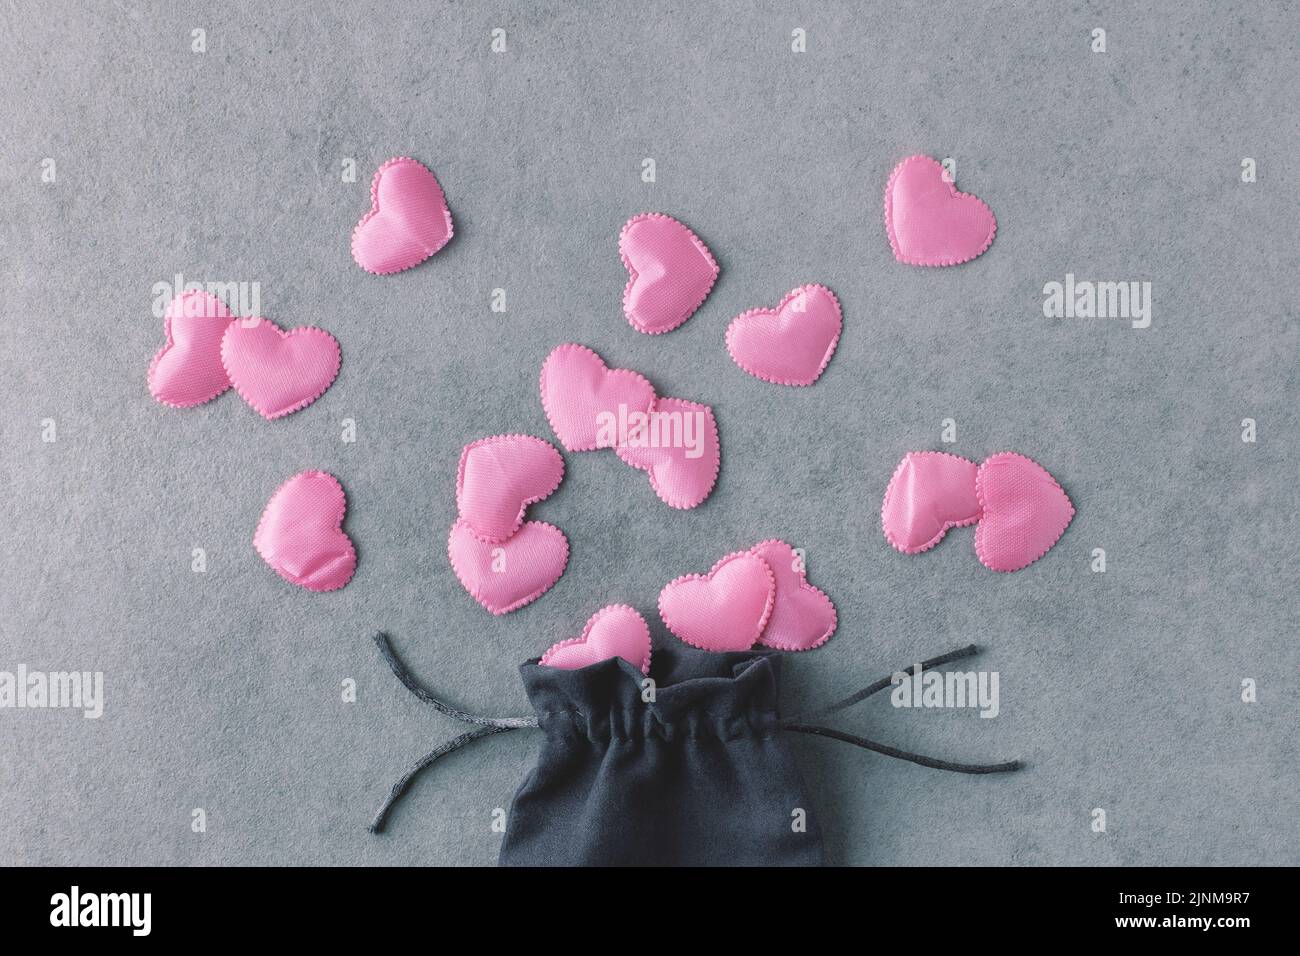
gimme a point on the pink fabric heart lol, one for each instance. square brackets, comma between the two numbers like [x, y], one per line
[301, 534]
[679, 450]
[1025, 512]
[505, 576]
[187, 370]
[803, 617]
[278, 372]
[929, 222]
[613, 631]
[670, 272]
[408, 219]
[725, 610]
[499, 477]
[791, 344]
[930, 492]
[582, 397]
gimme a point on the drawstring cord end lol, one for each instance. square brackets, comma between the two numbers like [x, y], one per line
[796, 725]
[486, 727]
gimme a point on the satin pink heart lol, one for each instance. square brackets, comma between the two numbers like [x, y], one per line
[301, 533]
[1024, 512]
[278, 372]
[187, 370]
[678, 447]
[408, 219]
[724, 610]
[614, 631]
[791, 344]
[930, 492]
[507, 575]
[670, 272]
[929, 222]
[803, 617]
[584, 399]
[499, 477]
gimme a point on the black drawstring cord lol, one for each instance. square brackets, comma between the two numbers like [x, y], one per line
[487, 727]
[415, 687]
[889, 751]
[970, 650]
[399, 788]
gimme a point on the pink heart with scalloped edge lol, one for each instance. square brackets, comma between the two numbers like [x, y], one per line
[670, 272]
[613, 631]
[929, 222]
[499, 477]
[301, 533]
[275, 371]
[724, 610]
[1025, 512]
[408, 219]
[678, 447]
[791, 344]
[187, 370]
[584, 399]
[803, 617]
[509, 574]
[930, 492]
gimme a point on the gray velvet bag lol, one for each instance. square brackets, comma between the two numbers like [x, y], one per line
[701, 772]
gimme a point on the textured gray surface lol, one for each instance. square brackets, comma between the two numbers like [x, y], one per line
[1121, 689]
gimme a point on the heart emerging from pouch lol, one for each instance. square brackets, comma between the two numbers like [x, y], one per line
[791, 344]
[929, 222]
[724, 610]
[679, 449]
[803, 617]
[301, 534]
[1025, 512]
[278, 372]
[614, 631]
[187, 371]
[670, 272]
[408, 219]
[499, 477]
[585, 400]
[505, 576]
[930, 492]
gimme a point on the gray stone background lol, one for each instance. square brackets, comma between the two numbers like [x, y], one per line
[1121, 690]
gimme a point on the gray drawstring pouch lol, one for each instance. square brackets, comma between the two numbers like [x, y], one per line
[702, 775]
[691, 767]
